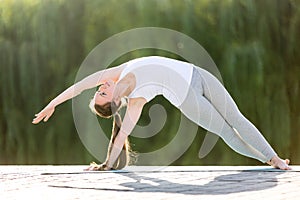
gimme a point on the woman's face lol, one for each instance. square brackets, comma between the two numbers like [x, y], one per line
[105, 92]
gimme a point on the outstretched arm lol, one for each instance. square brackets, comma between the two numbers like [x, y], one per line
[86, 83]
[132, 115]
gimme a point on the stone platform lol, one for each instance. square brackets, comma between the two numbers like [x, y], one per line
[141, 183]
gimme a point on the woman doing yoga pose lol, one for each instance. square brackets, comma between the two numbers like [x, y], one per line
[194, 91]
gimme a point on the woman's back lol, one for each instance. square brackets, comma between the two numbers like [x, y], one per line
[160, 76]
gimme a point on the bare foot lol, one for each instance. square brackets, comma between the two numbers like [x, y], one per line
[280, 163]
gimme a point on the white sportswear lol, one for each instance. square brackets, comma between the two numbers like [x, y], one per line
[160, 76]
[201, 98]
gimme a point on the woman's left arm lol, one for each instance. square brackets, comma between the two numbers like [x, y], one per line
[132, 115]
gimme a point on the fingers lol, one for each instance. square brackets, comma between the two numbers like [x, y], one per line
[90, 168]
[44, 114]
[36, 121]
[46, 118]
[48, 115]
[95, 167]
[39, 118]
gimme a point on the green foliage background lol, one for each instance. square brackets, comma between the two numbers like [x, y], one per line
[254, 43]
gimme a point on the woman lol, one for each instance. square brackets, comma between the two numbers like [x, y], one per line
[197, 93]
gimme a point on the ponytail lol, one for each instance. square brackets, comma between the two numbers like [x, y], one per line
[107, 110]
[125, 155]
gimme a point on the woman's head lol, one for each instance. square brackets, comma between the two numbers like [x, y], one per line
[105, 105]
[105, 92]
[103, 102]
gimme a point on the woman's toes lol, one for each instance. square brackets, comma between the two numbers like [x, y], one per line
[287, 161]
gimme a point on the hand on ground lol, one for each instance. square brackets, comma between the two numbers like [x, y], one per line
[95, 167]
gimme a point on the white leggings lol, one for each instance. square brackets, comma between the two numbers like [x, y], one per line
[209, 105]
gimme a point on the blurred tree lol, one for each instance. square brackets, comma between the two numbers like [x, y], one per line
[42, 44]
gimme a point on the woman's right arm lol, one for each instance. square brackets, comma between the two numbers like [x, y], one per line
[132, 115]
[89, 82]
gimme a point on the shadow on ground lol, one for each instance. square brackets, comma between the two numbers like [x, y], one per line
[223, 184]
[244, 181]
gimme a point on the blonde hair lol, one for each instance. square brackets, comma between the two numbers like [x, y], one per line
[107, 110]
[92, 106]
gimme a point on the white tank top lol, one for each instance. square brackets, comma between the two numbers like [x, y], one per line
[160, 76]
